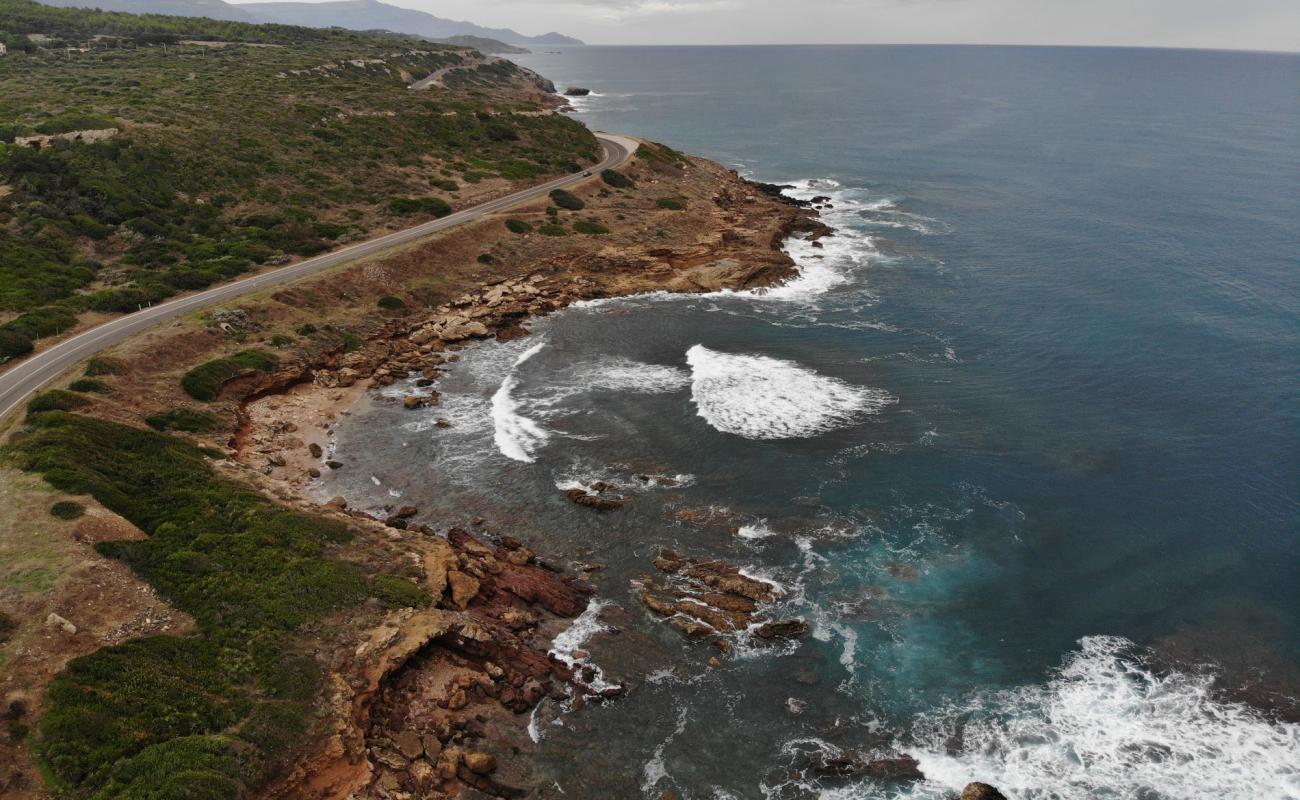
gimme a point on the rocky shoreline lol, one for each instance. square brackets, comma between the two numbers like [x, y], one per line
[440, 702]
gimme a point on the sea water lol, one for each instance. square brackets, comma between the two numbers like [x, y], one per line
[1021, 443]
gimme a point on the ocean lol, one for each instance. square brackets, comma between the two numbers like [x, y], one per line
[1021, 443]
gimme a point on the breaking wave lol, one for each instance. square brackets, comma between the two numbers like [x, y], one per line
[516, 436]
[1108, 725]
[758, 397]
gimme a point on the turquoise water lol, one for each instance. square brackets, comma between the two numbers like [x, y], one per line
[1022, 443]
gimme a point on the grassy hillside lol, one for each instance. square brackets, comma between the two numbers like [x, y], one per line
[239, 145]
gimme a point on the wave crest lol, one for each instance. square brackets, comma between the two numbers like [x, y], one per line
[758, 397]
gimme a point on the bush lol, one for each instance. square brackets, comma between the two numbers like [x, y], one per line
[14, 345]
[406, 206]
[390, 303]
[56, 400]
[671, 203]
[396, 592]
[280, 340]
[486, 258]
[518, 226]
[42, 322]
[66, 509]
[617, 179]
[445, 184]
[204, 382]
[589, 227]
[551, 229]
[103, 366]
[89, 385]
[306, 330]
[564, 199]
[182, 419]
[159, 717]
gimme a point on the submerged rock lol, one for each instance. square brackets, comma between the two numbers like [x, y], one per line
[596, 501]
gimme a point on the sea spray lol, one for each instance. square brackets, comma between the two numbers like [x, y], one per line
[1108, 725]
[516, 436]
[758, 397]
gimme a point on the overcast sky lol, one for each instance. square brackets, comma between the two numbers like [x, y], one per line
[1238, 24]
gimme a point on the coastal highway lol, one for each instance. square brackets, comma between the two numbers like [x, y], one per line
[20, 382]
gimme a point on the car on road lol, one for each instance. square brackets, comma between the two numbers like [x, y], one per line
[587, 174]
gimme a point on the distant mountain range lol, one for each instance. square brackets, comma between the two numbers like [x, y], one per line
[359, 15]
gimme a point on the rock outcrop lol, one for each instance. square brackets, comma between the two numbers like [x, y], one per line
[707, 598]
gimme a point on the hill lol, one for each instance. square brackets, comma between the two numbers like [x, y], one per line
[368, 14]
[357, 15]
[485, 45]
[216, 147]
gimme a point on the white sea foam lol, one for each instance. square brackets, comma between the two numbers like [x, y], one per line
[575, 637]
[755, 530]
[625, 375]
[516, 436]
[655, 770]
[758, 397]
[1105, 725]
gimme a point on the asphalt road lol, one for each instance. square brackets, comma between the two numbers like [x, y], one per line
[20, 382]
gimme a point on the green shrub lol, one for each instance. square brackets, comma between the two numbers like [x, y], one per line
[103, 366]
[77, 121]
[518, 226]
[161, 716]
[89, 385]
[671, 203]
[56, 400]
[280, 340]
[351, 342]
[66, 509]
[590, 227]
[486, 258]
[551, 229]
[182, 419]
[396, 592]
[567, 200]
[445, 184]
[390, 303]
[406, 206]
[306, 330]
[204, 382]
[42, 322]
[617, 179]
[14, 345]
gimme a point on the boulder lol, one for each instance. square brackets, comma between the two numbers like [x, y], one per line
[781, 629]
[409, 744]
[55, 621]
[480, 763]
[981, 791]
[412, 401]
[577, 91]
[315, 450]
[463, 587]
[598, 502]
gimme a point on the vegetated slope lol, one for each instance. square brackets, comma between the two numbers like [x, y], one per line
[357, 15]
[205, 716]
[263, 143]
